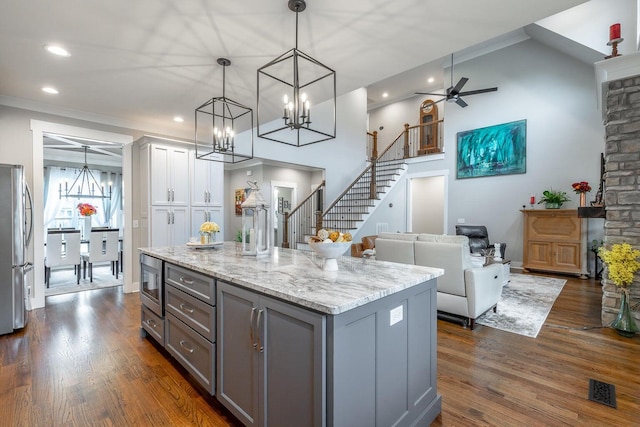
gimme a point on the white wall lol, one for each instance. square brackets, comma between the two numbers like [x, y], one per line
[343, 158]
[565, 136]
[588, 24]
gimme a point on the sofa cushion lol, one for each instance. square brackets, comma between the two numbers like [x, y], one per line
[398, 236]
[393, 250]
[448, 256]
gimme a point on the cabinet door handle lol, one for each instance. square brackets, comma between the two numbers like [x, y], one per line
[209, 196]
[168, 194]
[151, 323]
[253, 342]
[169, 218]
[186, 308]
[187, 282]
[183, 344]
[173, 218]
[173, 194]
[259, 332]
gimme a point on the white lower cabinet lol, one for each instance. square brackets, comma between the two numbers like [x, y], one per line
[202, 214]
[169, 226]
[271, 366]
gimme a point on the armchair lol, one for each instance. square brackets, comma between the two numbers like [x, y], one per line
[368, 243]
[464, 290]
[478, 238]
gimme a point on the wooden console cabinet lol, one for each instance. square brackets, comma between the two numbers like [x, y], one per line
[554, 241]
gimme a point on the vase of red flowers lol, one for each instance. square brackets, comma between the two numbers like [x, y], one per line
[582, 188]
[86, 211]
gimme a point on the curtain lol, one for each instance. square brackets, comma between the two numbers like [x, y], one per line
[112, 205]
[54, 176]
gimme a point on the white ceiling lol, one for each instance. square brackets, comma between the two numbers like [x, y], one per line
[139, 63]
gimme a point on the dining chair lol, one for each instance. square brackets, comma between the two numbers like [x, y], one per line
[63, 249]
[103, 247]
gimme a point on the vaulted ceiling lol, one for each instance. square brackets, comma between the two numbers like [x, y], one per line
[140, 63]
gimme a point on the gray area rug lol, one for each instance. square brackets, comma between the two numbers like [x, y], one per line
[63, 281]
[526, 301]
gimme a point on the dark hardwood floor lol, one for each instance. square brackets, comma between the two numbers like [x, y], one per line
[81, 362]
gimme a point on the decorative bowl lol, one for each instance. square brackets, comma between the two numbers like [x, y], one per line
[330, 251]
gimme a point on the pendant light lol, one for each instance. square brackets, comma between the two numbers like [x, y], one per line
[295, 83]
[224, 128]
[85, 185]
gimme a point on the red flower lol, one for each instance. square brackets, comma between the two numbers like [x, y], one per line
[581, 187]
[85, 209]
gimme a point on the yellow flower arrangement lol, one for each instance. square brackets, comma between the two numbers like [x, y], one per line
[622, 263]
[209, 227]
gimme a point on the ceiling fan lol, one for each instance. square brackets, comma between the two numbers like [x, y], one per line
[453, 92]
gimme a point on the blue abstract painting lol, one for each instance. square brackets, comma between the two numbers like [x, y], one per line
[492, 150]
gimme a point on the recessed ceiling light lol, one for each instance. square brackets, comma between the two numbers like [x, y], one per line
[57, 50]
[384, 95]
[51, 90]
[178, 119]
[431, 80]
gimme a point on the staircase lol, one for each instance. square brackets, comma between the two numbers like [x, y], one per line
[352, 207]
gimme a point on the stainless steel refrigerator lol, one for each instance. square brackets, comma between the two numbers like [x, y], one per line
[16, 226]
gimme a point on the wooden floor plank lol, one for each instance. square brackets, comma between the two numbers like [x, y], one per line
[81, 361]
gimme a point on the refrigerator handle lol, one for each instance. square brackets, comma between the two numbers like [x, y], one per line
[30, 232]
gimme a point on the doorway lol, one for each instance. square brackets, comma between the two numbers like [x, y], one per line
[39, 130]
[427, 204]
[283, 199]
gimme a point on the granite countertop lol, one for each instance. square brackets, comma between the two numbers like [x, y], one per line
[297, 276]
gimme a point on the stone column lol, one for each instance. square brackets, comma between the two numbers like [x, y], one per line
[622, 182]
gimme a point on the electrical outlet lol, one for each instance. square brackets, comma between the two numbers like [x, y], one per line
[461, 220]
[396, 315]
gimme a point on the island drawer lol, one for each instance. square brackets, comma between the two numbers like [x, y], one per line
[152, 324]
[199, 285]
[192, 351]
[196, 314]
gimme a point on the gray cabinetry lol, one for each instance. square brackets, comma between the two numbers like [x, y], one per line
[271, 360]
[191, 322]
[381, 362]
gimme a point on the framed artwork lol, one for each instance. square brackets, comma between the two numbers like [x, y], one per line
[239, 198]
[493, 150]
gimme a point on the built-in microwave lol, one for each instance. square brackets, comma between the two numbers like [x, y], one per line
[151, 284]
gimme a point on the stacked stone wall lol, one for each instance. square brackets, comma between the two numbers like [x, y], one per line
[622, 183]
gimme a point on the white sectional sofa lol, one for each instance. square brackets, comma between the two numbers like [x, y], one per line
[464, 291]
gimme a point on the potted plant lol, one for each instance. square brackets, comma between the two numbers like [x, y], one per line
[553, 199]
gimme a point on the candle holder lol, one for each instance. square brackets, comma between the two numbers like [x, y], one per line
[614, 47]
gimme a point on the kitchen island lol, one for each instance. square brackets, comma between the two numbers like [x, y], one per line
[281, 342]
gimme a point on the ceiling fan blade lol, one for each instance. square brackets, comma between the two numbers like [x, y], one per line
[430, 93]
[461, 103]
[475, 92]
[456, 89]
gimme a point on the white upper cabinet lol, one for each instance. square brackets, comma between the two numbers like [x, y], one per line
[207, 187]
[169, 175]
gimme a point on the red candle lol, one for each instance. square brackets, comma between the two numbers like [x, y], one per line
[614, 32]
[532, 200]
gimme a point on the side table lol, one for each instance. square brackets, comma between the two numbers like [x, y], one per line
[506, 268]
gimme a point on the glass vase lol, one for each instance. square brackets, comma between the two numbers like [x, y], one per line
[625, 324]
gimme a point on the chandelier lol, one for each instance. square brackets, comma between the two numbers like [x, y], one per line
[85, 185]
[218, 123]
[289, 84]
